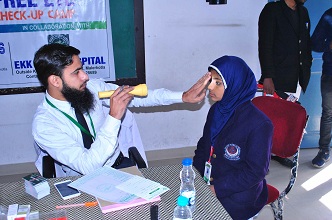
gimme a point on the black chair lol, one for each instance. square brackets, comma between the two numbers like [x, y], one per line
[48, 167]
[136, 157]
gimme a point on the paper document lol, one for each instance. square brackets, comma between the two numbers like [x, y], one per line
[117, 186]
[102, 184]
[141, 187]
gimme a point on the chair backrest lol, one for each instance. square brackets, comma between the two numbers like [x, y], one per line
[48, 163]
[136, 157]
[48, 167]
[289, 120]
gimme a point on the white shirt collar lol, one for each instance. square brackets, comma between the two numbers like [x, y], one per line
[63, 105]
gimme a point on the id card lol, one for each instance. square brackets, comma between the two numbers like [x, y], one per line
[207, 172]
[292, 98]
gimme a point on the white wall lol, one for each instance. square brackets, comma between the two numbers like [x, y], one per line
[181, 39]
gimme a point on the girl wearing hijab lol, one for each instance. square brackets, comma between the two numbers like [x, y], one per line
[233, 155]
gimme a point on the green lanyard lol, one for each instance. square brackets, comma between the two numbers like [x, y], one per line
[75, 122]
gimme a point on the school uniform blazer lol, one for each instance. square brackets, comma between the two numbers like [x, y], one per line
[284, 55]
[240, 160]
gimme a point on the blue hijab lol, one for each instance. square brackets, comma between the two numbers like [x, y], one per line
[240, 86]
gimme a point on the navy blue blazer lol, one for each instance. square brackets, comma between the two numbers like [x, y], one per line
[240, 160]
[321, 39]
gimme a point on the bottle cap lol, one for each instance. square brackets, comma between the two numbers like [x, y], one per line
[187, 161]
[182, 201]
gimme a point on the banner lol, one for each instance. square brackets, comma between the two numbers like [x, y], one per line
[26, 25]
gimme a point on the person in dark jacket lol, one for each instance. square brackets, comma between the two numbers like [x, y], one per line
[234, 152]
[322, 42]
[284, 50]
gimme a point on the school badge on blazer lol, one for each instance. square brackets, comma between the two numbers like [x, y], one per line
[232, 152]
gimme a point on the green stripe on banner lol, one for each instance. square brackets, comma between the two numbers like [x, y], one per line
[92, 25]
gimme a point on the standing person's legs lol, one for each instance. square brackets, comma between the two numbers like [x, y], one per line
[325, 123]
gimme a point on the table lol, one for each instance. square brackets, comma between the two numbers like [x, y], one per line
[207, 205]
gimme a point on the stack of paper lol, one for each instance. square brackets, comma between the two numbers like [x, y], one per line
[115, 189]
[36, 185]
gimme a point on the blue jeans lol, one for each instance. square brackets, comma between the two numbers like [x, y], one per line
[326, 118]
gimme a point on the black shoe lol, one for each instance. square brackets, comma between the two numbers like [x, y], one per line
[284, 161]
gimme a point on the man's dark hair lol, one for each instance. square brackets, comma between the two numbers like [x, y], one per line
[51, 59]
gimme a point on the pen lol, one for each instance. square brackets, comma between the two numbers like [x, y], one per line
[121, 89]
[154, 212]
[86, 204]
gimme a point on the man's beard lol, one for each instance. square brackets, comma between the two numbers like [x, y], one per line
[82, 100]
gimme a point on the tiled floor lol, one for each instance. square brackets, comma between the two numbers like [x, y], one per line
[302, 202]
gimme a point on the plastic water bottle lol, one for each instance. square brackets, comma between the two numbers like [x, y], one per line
[182, 210]
[187, 189]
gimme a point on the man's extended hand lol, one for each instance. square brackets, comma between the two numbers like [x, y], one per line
[119, 101]
[197, 92]
[268, 86]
